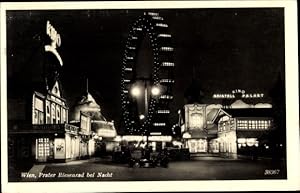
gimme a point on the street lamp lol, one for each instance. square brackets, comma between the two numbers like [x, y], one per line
[136, 92]
[155, 90]
[142, 117]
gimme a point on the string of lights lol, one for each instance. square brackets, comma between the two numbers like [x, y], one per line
[162, 80]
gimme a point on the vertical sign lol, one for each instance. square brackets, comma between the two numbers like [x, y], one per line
[85, 123]
[55, 41]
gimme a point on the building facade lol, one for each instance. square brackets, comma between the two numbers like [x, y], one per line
[103, 131]
[38, 116]
[198, 131]
[229, 132]
[241, 131]
[49, 137]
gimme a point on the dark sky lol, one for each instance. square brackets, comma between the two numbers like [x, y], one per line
[227, 48]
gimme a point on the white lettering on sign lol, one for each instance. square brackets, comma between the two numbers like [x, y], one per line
[56, 41]
[160, 138]
[238, 91]
[54, 36]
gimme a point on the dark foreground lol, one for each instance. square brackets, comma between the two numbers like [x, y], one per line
[199, 168]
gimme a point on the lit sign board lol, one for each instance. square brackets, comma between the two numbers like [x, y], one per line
[195, 116]
[134, 138]
[71, 128]
[54, 36]
[144, 138]
[59, 148]
[237, 91]
[249, 141]
[106, 133]
[85, 124]
[56, 41]
[160, 138]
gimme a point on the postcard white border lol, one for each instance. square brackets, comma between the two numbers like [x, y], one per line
[292, 105]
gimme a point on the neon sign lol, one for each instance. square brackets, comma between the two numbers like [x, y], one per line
[237, 91]
[54, 36]
[56, 41]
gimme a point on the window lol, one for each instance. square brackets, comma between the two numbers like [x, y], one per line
[43, 147]
[254, 124]
[38, 117]
[38, 113]
[35, 117]
[41, 118]
[264, 124]
[242, 124]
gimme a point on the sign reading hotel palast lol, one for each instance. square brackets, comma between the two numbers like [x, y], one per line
[55, 41]
[237, 91]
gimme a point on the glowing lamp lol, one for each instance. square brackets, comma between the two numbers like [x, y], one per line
[251, 141]
[155, 91]
[135, 91]
[142, 117]
[186, 136]
[241, 140]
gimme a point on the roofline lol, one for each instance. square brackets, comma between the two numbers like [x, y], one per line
[217, 114]
[39, 94]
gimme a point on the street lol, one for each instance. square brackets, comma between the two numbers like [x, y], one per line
[198, 168]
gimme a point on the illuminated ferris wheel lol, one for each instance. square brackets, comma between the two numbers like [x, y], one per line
[157, 87]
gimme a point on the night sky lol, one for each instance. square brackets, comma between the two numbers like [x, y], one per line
[222, 49]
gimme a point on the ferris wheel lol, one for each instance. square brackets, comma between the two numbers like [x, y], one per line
[152, 26]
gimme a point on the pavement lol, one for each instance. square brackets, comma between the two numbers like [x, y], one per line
[35, 170]
[198, 168]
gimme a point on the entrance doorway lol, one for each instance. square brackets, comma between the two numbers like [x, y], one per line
[197, 145]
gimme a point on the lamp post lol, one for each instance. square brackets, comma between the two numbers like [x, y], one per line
[136, 92]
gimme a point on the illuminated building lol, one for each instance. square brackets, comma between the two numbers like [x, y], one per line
[241, 129]
[49, 136]
[197, 130]
[38, 124]
[104, 131]
[229, 131]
